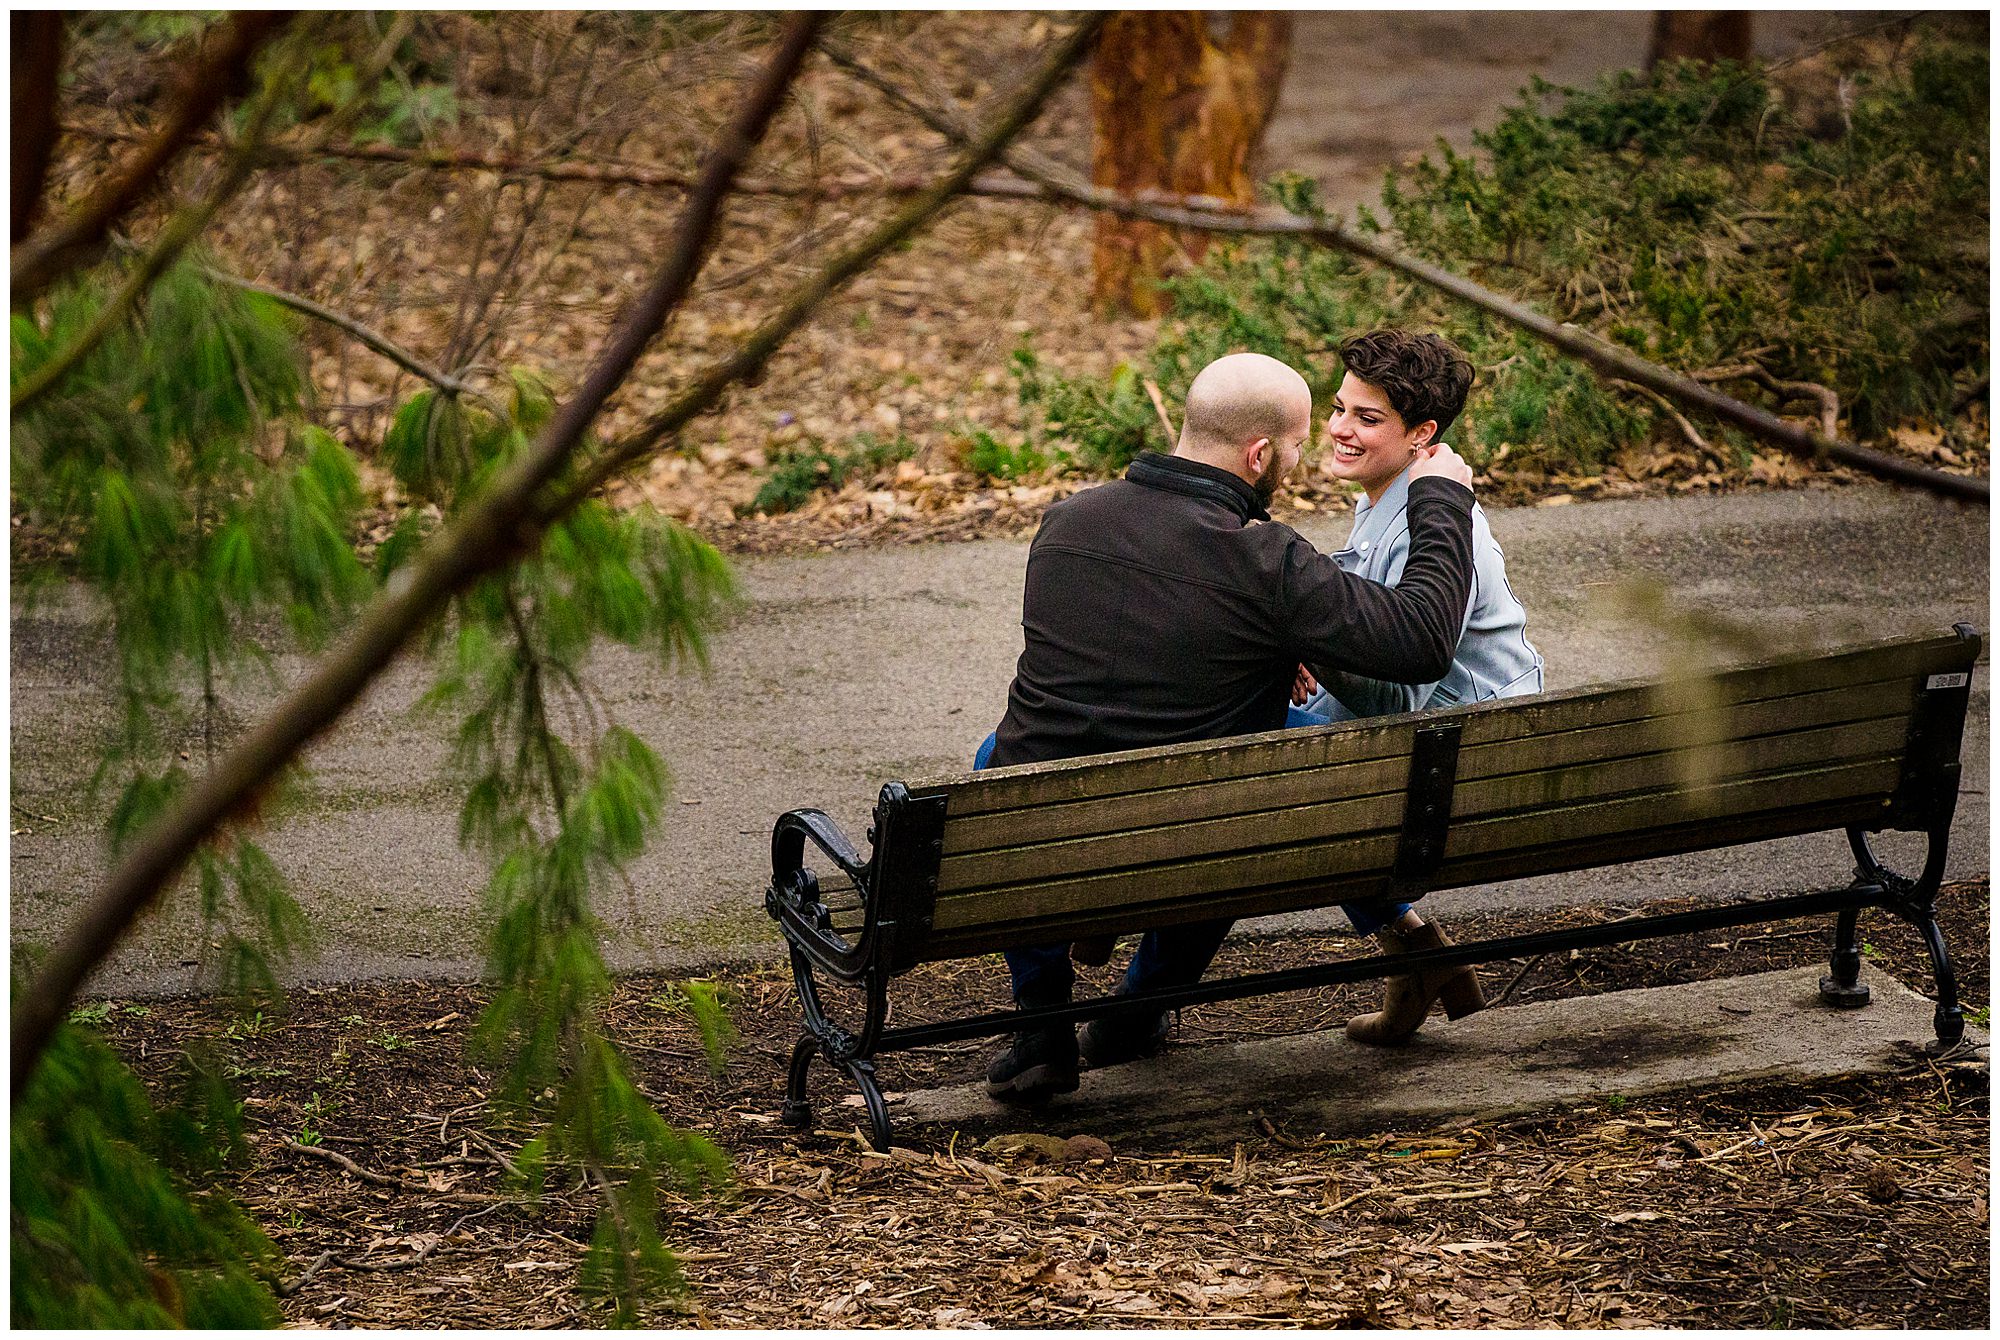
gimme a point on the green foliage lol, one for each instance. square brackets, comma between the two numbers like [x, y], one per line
[176, 465]
[114, 1220]
[1690, 215]
[1102, 425]
[990, 458]
[562, 801]
[144, 28]
[706, 1003]
[801, 471]
[402, 109]
[198, 503]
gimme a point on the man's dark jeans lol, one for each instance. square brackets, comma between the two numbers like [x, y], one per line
[1173, 956]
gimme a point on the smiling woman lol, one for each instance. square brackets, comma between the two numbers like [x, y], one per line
[1400, 392]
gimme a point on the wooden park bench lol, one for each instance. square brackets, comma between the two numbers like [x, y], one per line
[1864, 739]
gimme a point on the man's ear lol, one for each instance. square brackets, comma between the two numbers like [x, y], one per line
[1253, 455]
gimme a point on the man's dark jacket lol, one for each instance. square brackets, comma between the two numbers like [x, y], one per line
[1155, 613]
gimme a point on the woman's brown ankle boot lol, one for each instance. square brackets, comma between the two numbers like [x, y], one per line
[1407, 1000]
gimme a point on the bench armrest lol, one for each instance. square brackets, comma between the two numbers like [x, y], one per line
[795, 827]
[792, 898]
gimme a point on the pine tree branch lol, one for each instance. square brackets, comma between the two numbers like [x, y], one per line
[216, 70]
[756, 351]
[1604, 358]
[487, 535]
[363, 335]
[186, 225]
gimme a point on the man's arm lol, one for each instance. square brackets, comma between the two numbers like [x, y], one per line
[1366, 697]
[1407, 633]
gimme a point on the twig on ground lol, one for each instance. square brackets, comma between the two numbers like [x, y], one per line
[1160, 408]
[495, 1150]
[353, 1169]
[290, 1287]
[1515, 981]
[1695, 439]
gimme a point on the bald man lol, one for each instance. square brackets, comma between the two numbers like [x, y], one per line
[1156, 613]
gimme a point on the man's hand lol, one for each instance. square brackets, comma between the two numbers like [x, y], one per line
[1442, 462]
[1304, 686]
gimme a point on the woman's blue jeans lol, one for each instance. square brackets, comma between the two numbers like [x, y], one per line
[1173, 956]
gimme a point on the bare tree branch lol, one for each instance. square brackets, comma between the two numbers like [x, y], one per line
[749, 359]
[1052, 181]
[36, 63]
[216, 70]
[491, 531]
[577, 170]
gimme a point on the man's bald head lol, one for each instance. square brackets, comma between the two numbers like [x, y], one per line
[1239, 400]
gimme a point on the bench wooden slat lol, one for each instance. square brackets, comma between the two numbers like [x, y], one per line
[1280, 751]
[1783, 793]
[1353, 779]
[1320, 892]
[1678, 776]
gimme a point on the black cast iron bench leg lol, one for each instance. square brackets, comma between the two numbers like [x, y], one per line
[1913, 901]
[1948, 1019]
[1843, 987]
[852, 1054]
[797, 1111]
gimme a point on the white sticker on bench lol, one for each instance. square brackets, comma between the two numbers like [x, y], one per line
[1957, 681]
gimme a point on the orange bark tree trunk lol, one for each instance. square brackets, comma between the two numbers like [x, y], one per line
[1176, 111]
[1700, 34]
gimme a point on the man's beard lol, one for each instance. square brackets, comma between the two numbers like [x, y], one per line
[1267, 480]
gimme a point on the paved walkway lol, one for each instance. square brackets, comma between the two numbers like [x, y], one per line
[845, 671]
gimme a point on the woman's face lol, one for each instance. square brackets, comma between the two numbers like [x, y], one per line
[1366, 439]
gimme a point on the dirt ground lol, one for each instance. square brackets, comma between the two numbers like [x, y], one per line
[1854, 1202]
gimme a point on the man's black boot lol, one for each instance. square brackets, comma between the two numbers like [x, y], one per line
[1040, 1065]
[1128, 1035]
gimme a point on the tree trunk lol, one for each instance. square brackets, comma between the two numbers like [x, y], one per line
[1700, 34]
[1179, 112]
[36, 63]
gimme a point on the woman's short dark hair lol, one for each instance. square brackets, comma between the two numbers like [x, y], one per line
[1424, 376]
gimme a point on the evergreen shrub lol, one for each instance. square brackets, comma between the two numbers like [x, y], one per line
[1701, 217]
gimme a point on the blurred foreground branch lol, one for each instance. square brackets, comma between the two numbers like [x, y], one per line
[208, 80]
[489, 534]
[504, 523]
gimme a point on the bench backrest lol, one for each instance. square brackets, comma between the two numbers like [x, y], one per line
[1865, 736]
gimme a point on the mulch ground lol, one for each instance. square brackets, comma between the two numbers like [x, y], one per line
[1852, 1202]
